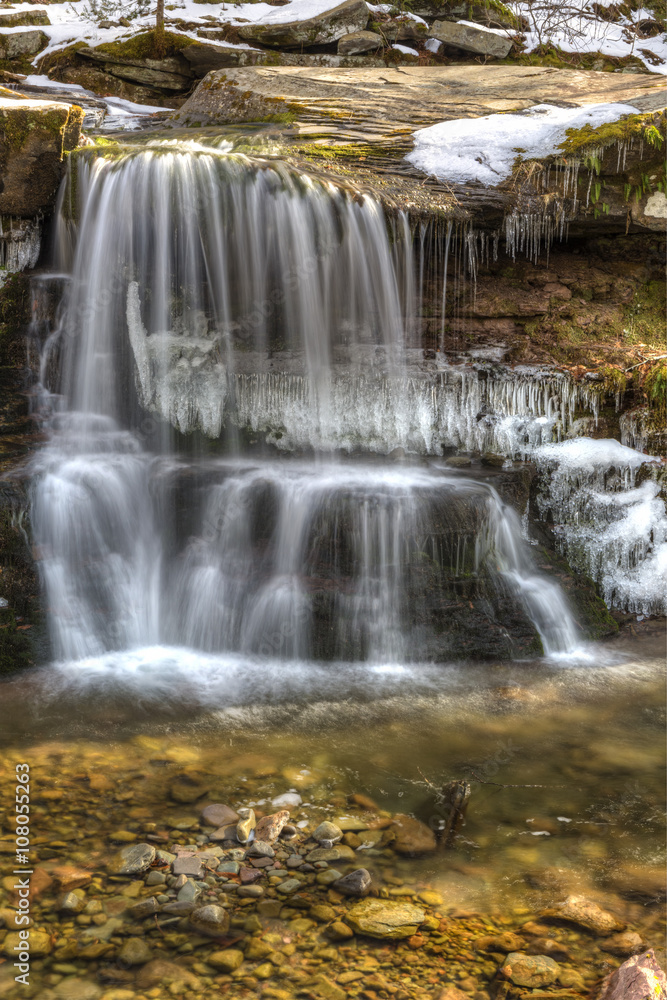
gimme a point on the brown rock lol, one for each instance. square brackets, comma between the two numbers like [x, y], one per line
[638, 978]
[549, 946]
[187, 788]
[160, 971]
[451, 993]
[270, 827]
[250, 875]
[628, 943]
[412, 836]
[364, 801]
[500, 942]
[585, 913]
[67, 878]
[34, 137]
[217, 814]
[530, 970]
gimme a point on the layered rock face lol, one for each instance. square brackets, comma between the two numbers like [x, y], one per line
[34, 138]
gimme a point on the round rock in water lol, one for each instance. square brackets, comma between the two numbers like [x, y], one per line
[530, 970]
[383, 918]
[327, 834]
[218, 814]
[132, 860]
[260, 849]
[212, 920]
[356, 883]
[135, 951]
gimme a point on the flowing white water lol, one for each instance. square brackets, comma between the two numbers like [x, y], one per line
[212, 291]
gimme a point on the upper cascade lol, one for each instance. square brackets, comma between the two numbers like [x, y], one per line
[185, 259]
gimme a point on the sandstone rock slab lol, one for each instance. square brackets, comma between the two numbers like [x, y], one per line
[387, 103]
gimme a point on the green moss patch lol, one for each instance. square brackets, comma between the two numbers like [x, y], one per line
[650, 129]
[148, 45]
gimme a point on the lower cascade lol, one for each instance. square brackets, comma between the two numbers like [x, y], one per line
[218, 307]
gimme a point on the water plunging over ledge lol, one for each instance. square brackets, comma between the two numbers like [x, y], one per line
[219, 296]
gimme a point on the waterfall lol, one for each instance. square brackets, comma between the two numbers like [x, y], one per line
[211, 295]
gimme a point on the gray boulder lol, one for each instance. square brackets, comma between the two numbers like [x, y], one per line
[471, 38]
[22, 44]
[358, 42]
[329, 26]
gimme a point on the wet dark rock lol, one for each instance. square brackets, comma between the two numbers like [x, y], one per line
[225, 833]
[161, 971]
[260, 849]
[249, 875]
[212, 920]
[356, 883]
[338, 853]
[145, 908]
[549, 946]
[179, 906]
[327, 834]
[72, 902]
[34, 138]
[187, 788]
[135, 951]
[412, 837]
[132, 860]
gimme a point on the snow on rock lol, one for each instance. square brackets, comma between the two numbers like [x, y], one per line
[405, 49]
[586, 453]
[484, 149]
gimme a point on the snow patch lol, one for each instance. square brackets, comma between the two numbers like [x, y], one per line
[484, 149]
